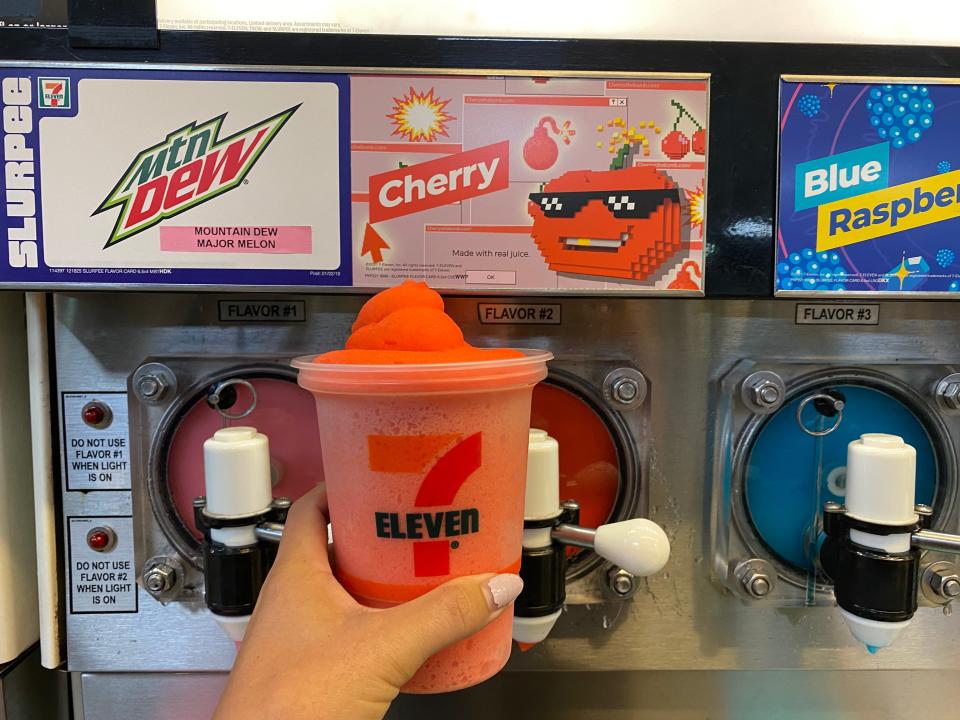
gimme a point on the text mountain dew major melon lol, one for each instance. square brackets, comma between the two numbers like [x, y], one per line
[192, 165]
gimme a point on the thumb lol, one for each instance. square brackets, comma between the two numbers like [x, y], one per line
[448, 613]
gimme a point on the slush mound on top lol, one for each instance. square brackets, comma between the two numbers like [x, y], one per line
[407, 325]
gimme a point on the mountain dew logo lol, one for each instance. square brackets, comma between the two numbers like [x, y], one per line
[192, 165]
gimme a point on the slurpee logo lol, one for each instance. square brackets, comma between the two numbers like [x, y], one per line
[435, 532]
[191, 166]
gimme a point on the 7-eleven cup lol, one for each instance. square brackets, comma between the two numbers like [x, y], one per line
[425, 469]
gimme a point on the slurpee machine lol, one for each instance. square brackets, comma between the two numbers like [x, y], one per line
[741, 463]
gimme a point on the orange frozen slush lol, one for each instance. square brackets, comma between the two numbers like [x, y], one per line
[407, 325]
[424, 443]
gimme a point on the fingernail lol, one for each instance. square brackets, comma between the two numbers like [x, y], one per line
[501, 590]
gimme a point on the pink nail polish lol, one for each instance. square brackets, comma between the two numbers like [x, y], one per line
[503, 590]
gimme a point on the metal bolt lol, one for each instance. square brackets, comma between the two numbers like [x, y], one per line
[282, 502]
[625, 390]
[951, 588]
[160, 578]
[571, 505]
[769, 394]
[763, 392]
[756, 576]
[149, 386]
[759, 586]
[163, 577]
[154, 381]
[945, 583]
[951, 395]
[940, 583]
[756, 583]
[622, 584]
[832, 507]
[947, 393]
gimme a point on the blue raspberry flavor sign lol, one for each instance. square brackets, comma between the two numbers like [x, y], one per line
[869, 187]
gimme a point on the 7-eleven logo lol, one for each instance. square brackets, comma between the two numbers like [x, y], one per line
[435, 531]
[53, 93]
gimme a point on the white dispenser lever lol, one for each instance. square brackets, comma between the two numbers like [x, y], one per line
[638, 545]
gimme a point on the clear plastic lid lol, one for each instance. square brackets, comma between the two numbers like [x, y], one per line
[473, 376]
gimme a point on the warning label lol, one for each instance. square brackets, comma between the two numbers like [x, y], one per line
[102, 582]
[96, 457]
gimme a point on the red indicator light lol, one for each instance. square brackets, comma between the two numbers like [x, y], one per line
[97, 414]
[100, 539]
[93, 414]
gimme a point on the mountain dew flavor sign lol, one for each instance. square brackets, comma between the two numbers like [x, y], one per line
[174, 177]
[192, 165]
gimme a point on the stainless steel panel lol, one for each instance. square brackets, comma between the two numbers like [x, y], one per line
[736, 426]
[657, 695]
[681, 619]
[122, 696]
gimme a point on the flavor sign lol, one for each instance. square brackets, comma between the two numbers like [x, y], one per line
[521, 183]
[212, 178]
[174, 178]
[869, 187]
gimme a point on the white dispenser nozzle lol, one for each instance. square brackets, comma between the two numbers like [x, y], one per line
[543, 476]
[881, 479]
[236, 466]
[542, 498]
[542, 501]
[881, 488]
[236, 463]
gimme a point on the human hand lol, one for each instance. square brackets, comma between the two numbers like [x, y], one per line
[312, 652]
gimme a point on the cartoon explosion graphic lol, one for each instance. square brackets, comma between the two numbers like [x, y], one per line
[695, 202]
[420, 116]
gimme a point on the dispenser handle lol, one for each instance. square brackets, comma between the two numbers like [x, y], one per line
[639, 545]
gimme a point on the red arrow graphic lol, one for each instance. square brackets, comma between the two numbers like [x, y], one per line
[440, 487]
[373, 244]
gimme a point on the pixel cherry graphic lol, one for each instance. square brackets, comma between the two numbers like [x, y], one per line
[676, 144]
